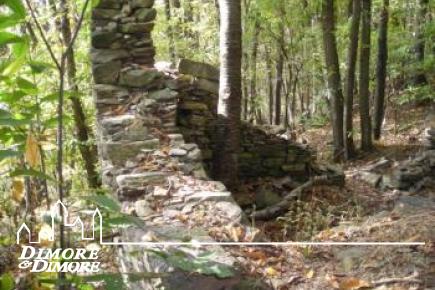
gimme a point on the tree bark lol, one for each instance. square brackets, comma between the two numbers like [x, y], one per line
[253, 79]
[352, 54]
[381, 72]
[229, 105]
[364, 74]
[333, 76]
[279, 79]
[88, 151]
[270, 84]
[420, 43]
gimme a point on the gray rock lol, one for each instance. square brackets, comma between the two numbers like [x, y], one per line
[138, 77]
[177, 152]
[189, 146]
[103, 91]
[108, 55]
[106, 39]
[145, 14]
[371, 178]
[141, 179]
[231, 210]
[136, 27]
[163, 95]
[210, 196]
[142, 208]
[141, 3]
[208, 86]
[176, 140]
[119, 152]
[197, 69]
[106, 73]
[195, 155]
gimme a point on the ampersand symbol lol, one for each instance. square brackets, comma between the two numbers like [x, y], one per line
[25, 264]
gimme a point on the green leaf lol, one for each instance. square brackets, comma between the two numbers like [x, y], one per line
[16, 6]
[19, 52]
[39, 66]
[27, 86]
[6, 38]
[104, 201]
[124, 221]
[201, 264]
[8, 21]
[30, 172]
[14, 122]
[7, 282]
[95, 3]
[13, 97]
[9, 154]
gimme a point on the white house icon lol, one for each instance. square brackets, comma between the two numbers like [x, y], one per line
[97, 221]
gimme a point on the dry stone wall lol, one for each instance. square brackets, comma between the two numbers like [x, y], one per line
[262, 153]
[147, 164]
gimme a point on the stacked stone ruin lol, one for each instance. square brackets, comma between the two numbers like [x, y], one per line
[152, 125]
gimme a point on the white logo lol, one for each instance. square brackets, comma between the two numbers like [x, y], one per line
[80, 260]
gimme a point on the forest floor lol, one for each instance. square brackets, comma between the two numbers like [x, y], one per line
[358, 212]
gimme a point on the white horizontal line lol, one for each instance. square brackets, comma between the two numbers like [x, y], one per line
[264, 243]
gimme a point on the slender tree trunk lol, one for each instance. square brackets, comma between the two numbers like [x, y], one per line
[170, 31]
[245, 83]
[333, 76]
[279, 79]
[381, 71]
[253, 62]
[420, 78]
[352, 54]
[229, 105]
[364, 67]
[88, 151]
[270, 84]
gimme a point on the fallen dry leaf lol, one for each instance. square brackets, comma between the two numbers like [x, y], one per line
[271, 272]
[17, 190]
[32, 153]
[310, 274]
[353, 283]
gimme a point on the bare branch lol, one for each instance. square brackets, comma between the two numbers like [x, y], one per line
[41, 32]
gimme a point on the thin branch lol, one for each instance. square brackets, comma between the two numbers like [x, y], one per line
[41, 32]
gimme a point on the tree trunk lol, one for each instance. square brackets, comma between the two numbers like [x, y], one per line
[245, 81]
[87, 150]
[420, 78]
[381, 71]
[253, 62]
[279, 80]
[364, 74]
[352, 54]
[270, 84]
[229, 105]
[333, 76]
[170, 31]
